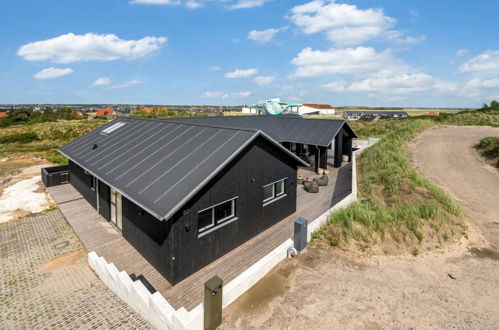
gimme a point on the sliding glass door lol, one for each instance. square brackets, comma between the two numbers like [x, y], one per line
[116, 208]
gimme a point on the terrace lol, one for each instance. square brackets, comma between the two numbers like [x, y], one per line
[101, 236]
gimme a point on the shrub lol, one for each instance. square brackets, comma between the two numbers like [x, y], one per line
[20, 138]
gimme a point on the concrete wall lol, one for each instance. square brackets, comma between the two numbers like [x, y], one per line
[157, 311]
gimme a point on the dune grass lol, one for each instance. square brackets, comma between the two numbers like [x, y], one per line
[489, 147]
[49, 137]
[395, 199]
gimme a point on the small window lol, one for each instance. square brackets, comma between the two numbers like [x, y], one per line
[206, 220]
[216, 215]
[113, 127]
[268, 192]
[273, 191]
[93, 182]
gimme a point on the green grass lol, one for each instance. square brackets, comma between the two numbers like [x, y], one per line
[398, 202]
[489, 147]
[42, 139]
[19, 138]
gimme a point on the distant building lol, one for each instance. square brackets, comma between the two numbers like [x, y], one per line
[371, 115]
[3, 115]
[106, 113]
[323, 109]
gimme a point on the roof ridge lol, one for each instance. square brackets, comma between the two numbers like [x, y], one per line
[193, 124]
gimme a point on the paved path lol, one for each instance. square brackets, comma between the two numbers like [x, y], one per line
[446, 156]
[46, 283]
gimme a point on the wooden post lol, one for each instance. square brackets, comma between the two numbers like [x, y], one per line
[213, 291]
[338, 147]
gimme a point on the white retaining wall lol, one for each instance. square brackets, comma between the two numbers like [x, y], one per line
[156, 309]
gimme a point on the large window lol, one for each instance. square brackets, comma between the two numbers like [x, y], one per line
[273, 191]
[216, 215]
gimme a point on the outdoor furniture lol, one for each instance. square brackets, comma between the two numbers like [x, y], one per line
[311, 187]
[321, 180]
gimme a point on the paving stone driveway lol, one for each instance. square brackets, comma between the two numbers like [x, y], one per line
[46, 283]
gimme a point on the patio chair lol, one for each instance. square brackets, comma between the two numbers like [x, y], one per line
[311, 187]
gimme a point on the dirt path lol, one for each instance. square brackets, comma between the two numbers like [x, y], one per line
[446, 156]
[456, 288]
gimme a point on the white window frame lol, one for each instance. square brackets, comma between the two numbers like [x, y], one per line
[275, 196]
[215, 224]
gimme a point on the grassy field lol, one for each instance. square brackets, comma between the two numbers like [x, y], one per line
[49, 137]
[397, 204]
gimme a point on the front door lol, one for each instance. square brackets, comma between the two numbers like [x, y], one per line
[116, 216]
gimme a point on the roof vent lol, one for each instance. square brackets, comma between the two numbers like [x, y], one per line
[95, 146]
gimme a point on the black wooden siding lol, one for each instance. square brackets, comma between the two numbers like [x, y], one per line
[173, 246]
[244, 178]
[82, 182]
[151, 237]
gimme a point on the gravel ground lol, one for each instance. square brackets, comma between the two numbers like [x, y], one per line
[455, 287]
[46, 283]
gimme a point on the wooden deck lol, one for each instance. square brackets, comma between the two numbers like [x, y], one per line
[102, 237]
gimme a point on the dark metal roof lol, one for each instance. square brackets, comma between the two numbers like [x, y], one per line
[282, 128]
[160, 164]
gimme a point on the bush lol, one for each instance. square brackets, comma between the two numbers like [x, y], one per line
[489, 146]
[20, 138]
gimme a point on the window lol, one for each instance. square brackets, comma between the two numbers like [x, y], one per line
[273, 191]
[93, 182]
[216, 215]
[113, 127]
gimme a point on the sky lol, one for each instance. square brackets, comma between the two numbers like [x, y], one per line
[228, 52]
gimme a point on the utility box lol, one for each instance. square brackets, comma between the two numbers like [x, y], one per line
[300, 237]
[213, 292]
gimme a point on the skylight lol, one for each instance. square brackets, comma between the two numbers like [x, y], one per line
[113, 127]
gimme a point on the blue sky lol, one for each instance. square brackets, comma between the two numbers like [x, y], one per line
[376, 53]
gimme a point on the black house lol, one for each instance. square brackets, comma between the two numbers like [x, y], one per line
[184, 192]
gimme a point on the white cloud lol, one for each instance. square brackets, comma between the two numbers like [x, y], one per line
[359, 60]
[486, 62]
[125, 84]
[480, 88]
[241, 94]
[214, 68]
[462, 52]
[245, 4]
[400, 38]
[71, 47]
[241, 73]
[346, 24]
[215, 95]
[264, 80]
[264, 36]
[50, 73]
[102, 81]
[400, 84]
[193, 4]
